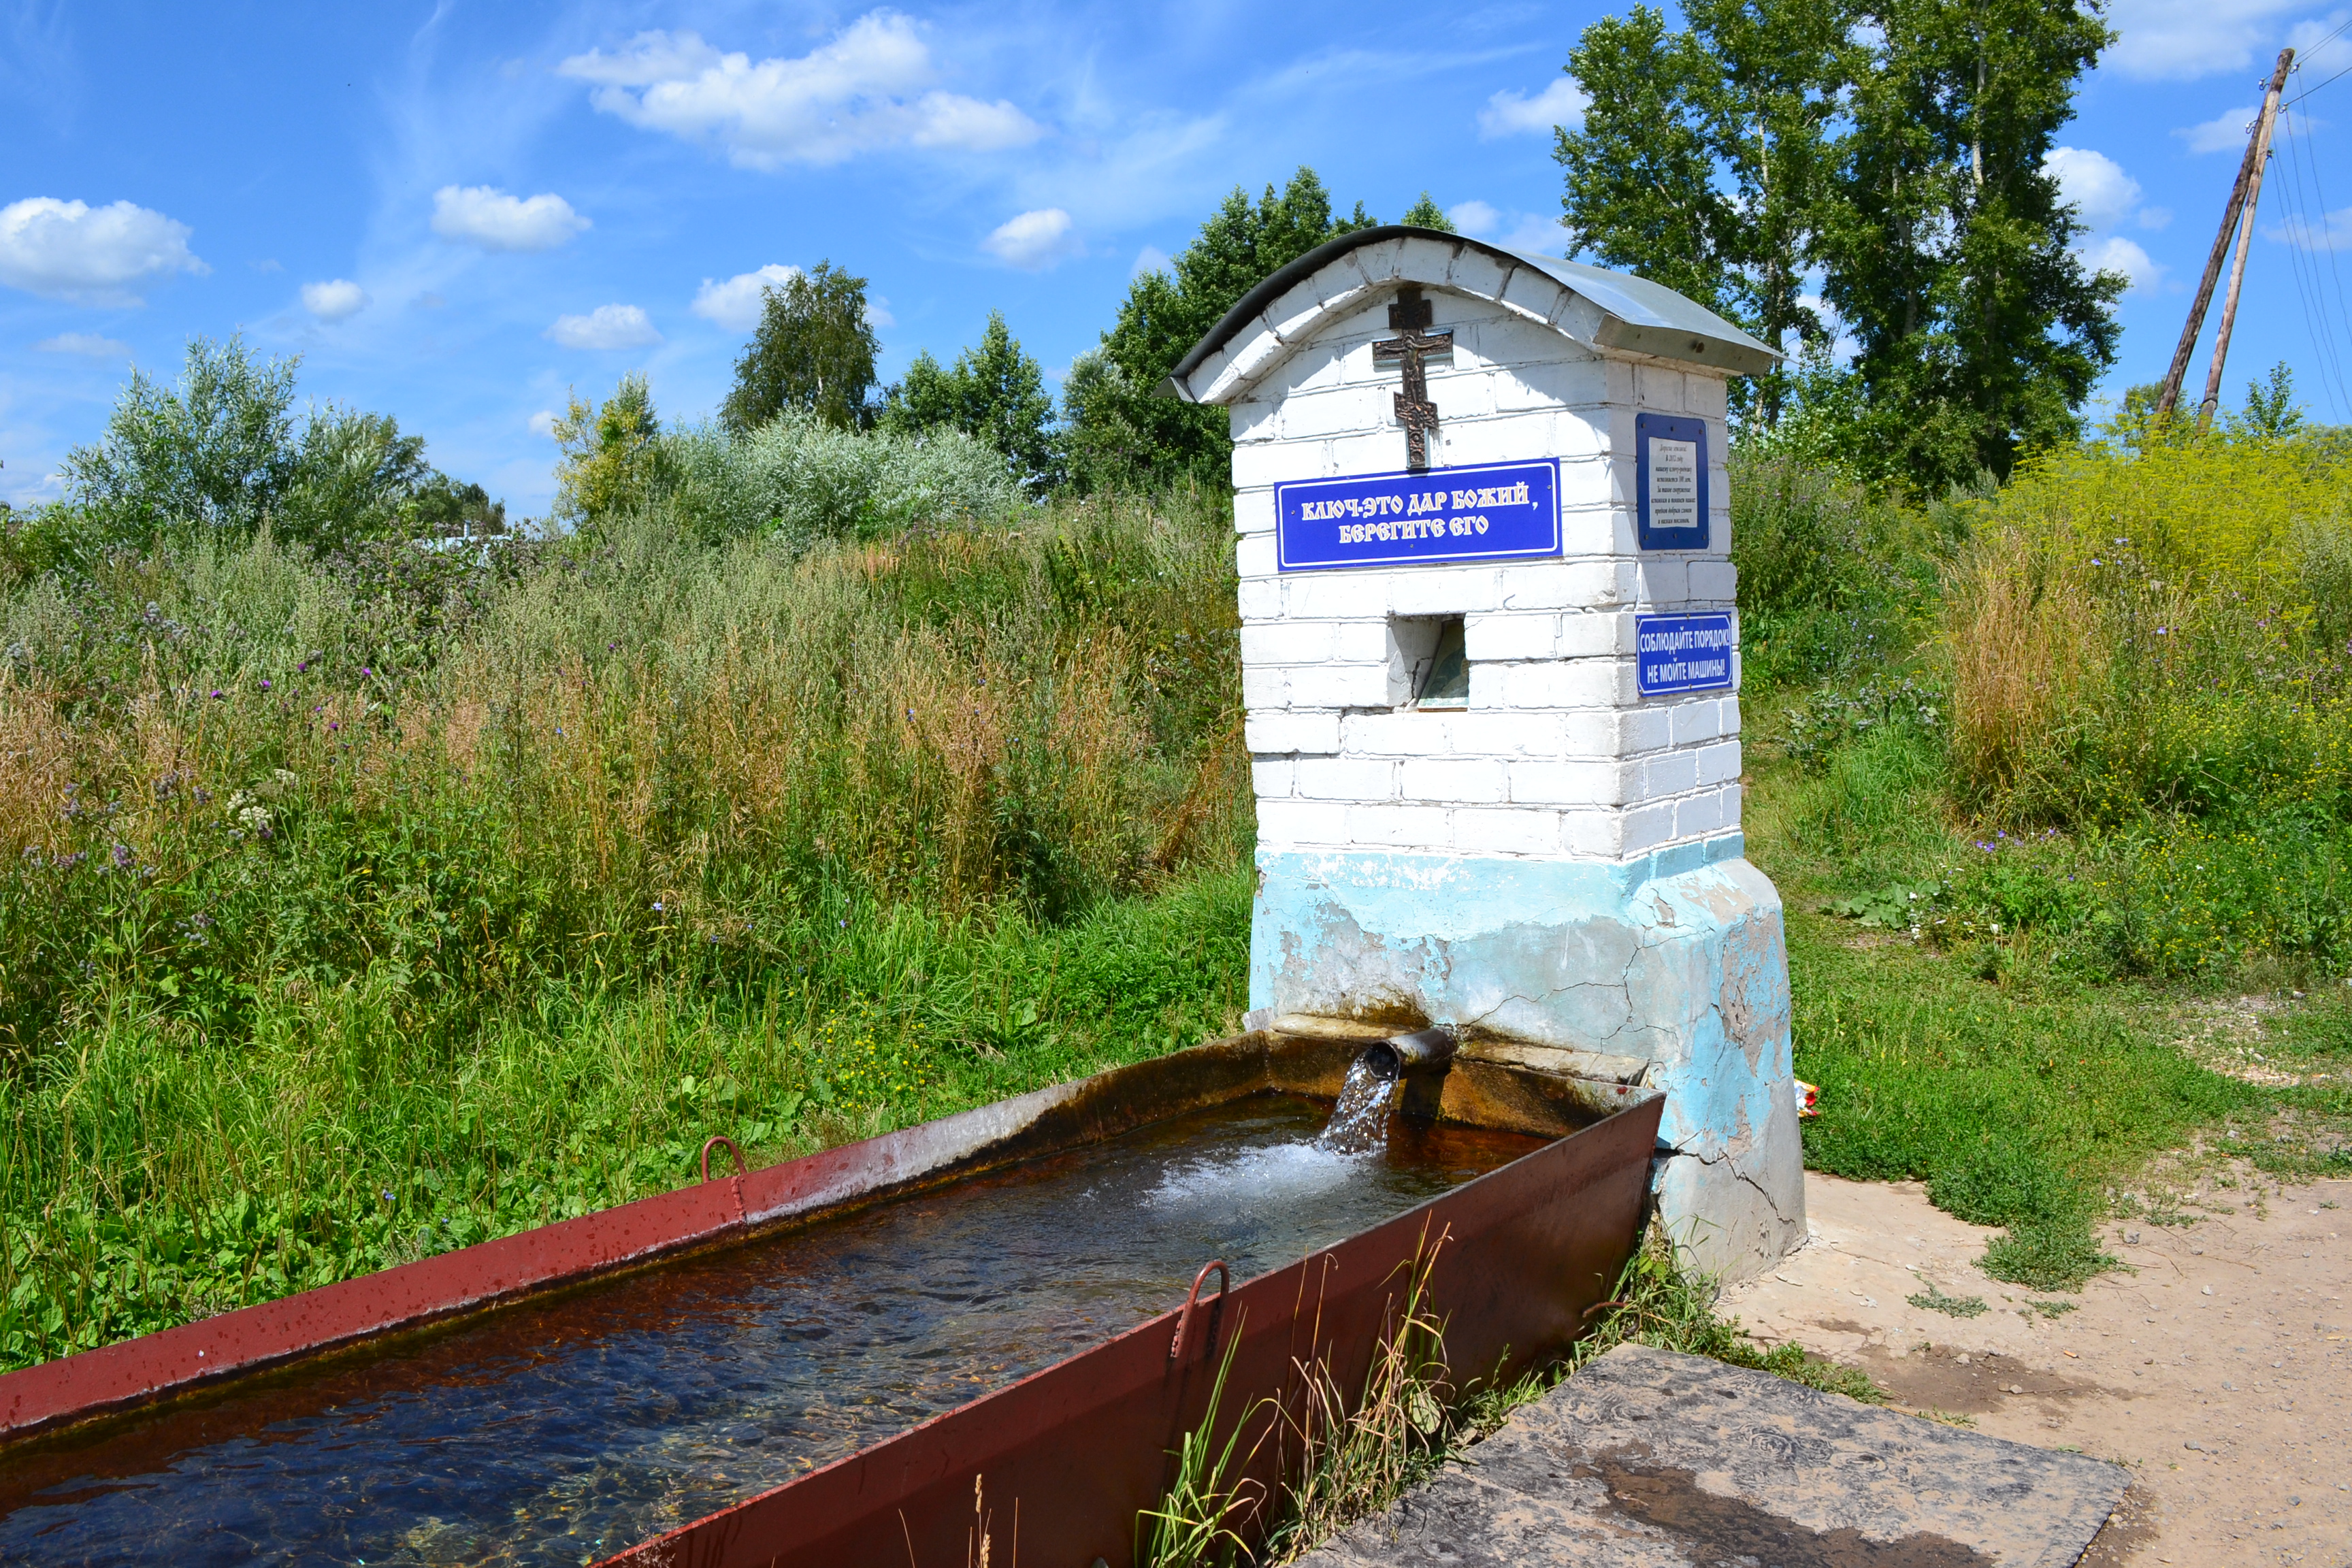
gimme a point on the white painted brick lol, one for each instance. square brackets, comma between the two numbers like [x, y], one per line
[1499, 439]
[1340, 686]
[1730, 716]
[1476, 272]
[1695, 721]
[1509, 735]
[1253, 511]
[1254, 556]
[1315, 733]
[1591, 734]
[1535, 292]
[1667, 773]
[1344, 411]
[1647, 827]
[1621, 393]
[1659, 389]
[1363, 641]
[1642, 730]
[1599, 835]
[1593, 683]
[1452, 779]
[1510, 636]
[1272, 777]
[1719, 763]
[1714, 580]
[1283, 822]
[1261, 598]
[1664, 580]
[1462, 392]
[1699, 814]
[1441, 591]
[1708, 396]
[1265, 687]
[1253, 419]
[1568, 784]
[1341, 595]
[1731, 795]
[1566, 584]
[1506, 831]
[1291, 641]
[1399, 826]
[1346, 778]
[1518, 685]
[1592, 634]
[1271, 462]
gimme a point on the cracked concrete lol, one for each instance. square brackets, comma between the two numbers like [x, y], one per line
[1686, 972]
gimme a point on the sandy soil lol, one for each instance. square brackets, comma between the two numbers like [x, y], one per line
[2217, 1368]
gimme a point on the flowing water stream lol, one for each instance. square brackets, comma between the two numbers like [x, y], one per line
[564, 1429]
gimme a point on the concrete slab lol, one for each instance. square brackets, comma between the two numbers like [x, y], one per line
[1651, 1459]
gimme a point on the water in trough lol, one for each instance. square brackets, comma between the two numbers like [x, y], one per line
[563, 1430]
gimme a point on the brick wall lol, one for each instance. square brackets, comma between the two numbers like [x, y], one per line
[1557, 756]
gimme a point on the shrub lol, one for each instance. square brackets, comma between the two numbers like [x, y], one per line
[800, 480]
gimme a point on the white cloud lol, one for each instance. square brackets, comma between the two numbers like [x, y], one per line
[2225, 132]
[487, 217]
[2152, 218]
[2117, 254]
[1511, 113]
[735, 304]
[90, 255]
[2332, 232]
[90, 345]
[2094, 184]
[1512, 231]
[877, 311]
[334, 299]
[2178, 40]
[863, 91]
[1474, 217]
[1033, 241]
[1150, 258]
[605, 327]
[543, 423]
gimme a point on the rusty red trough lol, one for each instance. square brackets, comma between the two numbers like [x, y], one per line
[1060, 1461]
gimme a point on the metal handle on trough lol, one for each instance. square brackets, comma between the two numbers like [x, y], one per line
[1184, 1318]
[711, 1143]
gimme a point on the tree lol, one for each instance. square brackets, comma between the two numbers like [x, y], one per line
[993, 393]
[612, 455]
[813, 349]
[217, 452]
[1890, 153]
[1702, 159]
[1166, 312]
[1948, 256]
[1427, 214]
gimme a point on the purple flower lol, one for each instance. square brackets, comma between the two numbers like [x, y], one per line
[265, 686]
[218, 694]
[121, 856]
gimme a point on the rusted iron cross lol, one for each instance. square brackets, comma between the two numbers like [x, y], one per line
[1414, 344]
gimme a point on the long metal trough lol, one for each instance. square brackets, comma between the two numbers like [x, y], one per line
[1060, 1461]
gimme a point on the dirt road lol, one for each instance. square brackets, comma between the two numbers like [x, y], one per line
[2218, 1367]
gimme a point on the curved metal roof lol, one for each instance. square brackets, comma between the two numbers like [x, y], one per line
[1644, 317]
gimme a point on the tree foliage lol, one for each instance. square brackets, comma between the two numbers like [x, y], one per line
[1891, 154]
[1427, 214]
[1122, 433]
[993, 393]
[221, 453]
[814, 349]
[612, 455]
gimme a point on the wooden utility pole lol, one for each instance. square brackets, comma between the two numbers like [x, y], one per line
[2241, 203]
[2262, 156]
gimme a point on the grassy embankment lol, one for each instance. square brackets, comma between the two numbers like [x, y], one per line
[357, 911]
[2045, 775]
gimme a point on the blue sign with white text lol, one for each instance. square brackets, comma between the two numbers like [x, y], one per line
[1683, 653]
[1497, 512]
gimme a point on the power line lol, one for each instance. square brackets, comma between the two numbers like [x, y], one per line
[2328, 231]
[2311, 294]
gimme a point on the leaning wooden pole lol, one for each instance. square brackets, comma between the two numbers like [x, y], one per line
[2197, 306]
[2260, 157]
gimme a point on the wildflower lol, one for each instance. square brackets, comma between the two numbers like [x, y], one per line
[122, 855]
[265, 686]
[367, 671]
[218, 694]
[657, 908]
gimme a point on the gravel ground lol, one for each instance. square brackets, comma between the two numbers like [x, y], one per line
[2217, 1366]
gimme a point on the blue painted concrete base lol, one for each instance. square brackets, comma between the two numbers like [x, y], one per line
[1677, 958]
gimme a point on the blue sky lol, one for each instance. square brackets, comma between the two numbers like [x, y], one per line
[455, 214]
